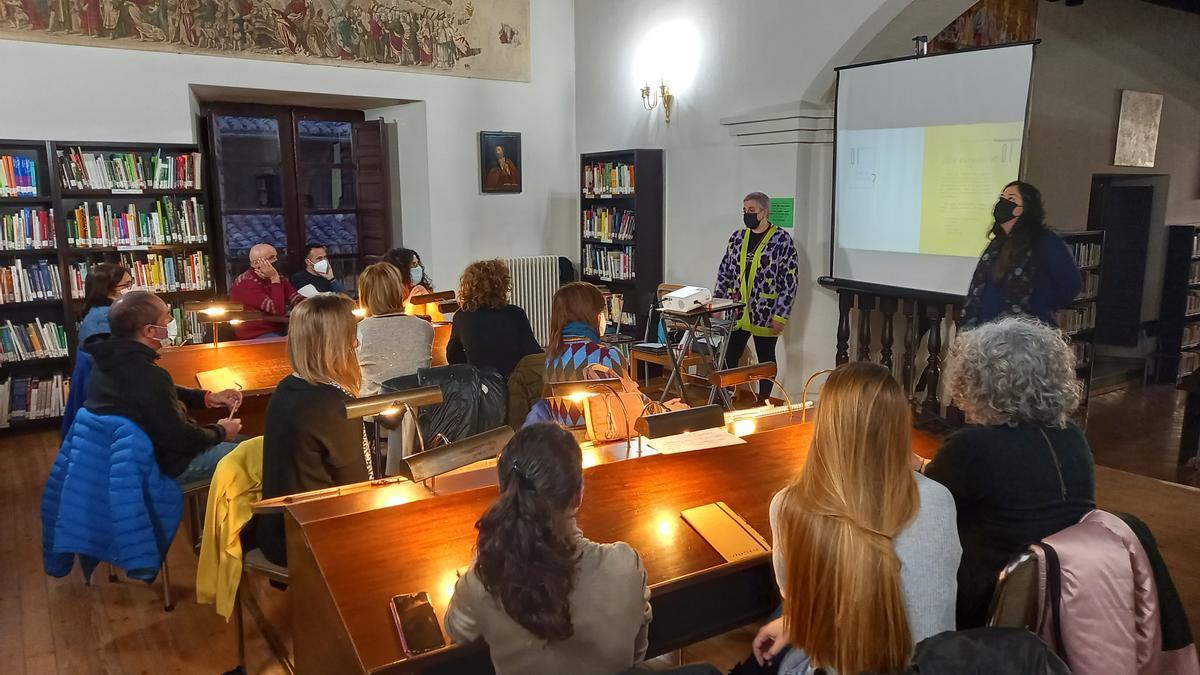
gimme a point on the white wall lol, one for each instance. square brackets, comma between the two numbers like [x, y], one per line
[1088, 55]
[754, 55]
[86, 93]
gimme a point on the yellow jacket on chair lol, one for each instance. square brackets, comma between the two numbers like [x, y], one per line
[236, 484]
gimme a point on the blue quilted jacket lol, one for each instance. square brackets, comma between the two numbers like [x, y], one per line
[107, 500]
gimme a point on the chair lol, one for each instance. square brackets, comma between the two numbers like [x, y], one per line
[1016, 599]
[254, 562]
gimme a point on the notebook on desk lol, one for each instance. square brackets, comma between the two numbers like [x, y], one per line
[217, 380]
[725, 531]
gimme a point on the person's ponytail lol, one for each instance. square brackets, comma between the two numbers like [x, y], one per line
[526, 553]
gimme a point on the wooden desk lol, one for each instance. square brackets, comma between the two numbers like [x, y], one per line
[349, 555]
[258, 365]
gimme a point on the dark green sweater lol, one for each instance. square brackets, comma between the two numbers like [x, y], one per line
[1011, 490]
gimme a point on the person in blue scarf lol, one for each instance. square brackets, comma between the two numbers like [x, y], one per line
[576, 324]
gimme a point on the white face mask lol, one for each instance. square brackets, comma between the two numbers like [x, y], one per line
[172, 333]
[416, 274]
[321, 267]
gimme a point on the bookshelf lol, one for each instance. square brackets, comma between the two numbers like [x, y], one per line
[80, 203]
[1078, 321]
[621, 229]
[1179, 306]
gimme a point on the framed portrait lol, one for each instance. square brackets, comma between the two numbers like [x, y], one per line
[499, 161]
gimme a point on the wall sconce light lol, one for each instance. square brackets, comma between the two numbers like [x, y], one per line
[651, 97]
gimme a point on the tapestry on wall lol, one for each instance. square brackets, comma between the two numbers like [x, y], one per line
[468, 38]
[988, 23]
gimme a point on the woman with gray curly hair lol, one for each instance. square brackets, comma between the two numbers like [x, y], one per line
[1022, 471]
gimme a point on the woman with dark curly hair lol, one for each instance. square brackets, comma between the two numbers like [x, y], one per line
[488, 332]
[544, 597]
[1023, 471]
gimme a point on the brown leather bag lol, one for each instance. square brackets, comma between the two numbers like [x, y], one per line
[610, 416]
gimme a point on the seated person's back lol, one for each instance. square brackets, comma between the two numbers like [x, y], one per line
[488, 332]
[576, 324]
[125, 381]
[308, 443]
[261, 288]
[1028, 472]
[391, 343]
[588, 611]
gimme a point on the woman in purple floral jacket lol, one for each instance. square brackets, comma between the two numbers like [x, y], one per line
[759, 269]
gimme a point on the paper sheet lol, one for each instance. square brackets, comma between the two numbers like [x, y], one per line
[694, 440]
[217, 380]
[307, 290]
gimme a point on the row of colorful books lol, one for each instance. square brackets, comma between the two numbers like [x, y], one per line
[32, 398]
[18, 176]
[168, 221]
[1087, 254]
[27, 229]
[29, 281]
[608, 224]
[191, 329]
[615, 178]
[81, 170]
[608, 263]
[155, 272]
[29, 341]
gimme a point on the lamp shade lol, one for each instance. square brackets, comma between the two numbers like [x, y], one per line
[570, 388]
[212, 309]
[392, 402]
[430, 298]
[733, 377]
[425, 465]
[680, 421]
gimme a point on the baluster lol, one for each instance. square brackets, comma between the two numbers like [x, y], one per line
[845, 302]
[888, 307]
[935, 312]
[908, 359]
[866, 303]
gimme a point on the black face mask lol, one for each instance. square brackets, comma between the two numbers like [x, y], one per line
[1002, 212]
[750, 219]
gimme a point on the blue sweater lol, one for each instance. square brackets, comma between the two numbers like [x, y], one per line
[95, 322]
[1056, 284]
[106, 500]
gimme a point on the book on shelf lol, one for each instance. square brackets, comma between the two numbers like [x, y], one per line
[1193, 302]
[30, 341]
[1087, 254]
[608, 224]
[610, 264]
[167, 221]
[81, 170]
[191, 328]
[616, 178]
[1089, 285]
[1075, 319]
[18, 176]
[1191, 336]
[33, 397]
[1194, 273]
[155, 272]
[1083, 351]
[29, 281]
[1188, 362]
[1196, 243]
[27, 229]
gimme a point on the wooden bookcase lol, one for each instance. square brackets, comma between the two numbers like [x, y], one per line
[1179, 307]
[638, 194]
[54, 195]
[1078, 321]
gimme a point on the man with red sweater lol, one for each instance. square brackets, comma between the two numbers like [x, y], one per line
[262, 288]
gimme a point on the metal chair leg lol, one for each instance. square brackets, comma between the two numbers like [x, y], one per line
[194, 510]
[166, 579]
[240, 626]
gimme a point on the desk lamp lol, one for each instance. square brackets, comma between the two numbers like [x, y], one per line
[430, 298]
[733, 377]
[389, 404]
[424, 467]
[576, 391]
[680, 421]
[220, 311]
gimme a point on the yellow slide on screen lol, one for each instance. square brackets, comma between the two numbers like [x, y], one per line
[965, 168]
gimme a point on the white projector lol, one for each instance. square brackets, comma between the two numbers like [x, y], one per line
[686, 299]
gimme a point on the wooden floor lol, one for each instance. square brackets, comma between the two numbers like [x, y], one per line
[62, 626]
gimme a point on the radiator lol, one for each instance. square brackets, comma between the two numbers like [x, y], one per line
[534, 281]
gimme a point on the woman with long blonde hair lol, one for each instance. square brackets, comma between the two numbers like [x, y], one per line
[866, 549]
[308, 443]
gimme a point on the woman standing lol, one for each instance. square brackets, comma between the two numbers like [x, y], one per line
[587, 610]
[759, 268]
[104, 283]
[577, 320]
[488, 332]
[1026, 269]
[308, 443]
[865, 548]
[1025, 471]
